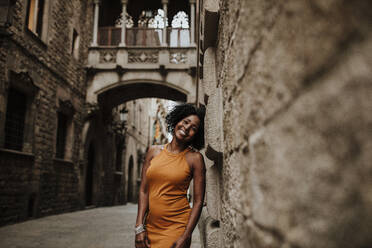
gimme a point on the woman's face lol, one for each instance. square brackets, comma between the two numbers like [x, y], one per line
[186, 129]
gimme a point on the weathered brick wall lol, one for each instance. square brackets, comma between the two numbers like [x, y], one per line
[15, 179]
[59, 189]
[51, 65]
[296, 82]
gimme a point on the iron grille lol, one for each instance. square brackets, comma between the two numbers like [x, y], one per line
[15, 120]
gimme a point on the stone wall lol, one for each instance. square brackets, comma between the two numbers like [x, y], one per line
[15, 179]
[45, 185]
[294, 79]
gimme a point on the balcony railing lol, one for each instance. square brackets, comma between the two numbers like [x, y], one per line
[148, 37]
[144, 37]
[109, 36]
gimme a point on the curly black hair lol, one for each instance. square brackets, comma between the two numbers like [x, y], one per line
[181, 111]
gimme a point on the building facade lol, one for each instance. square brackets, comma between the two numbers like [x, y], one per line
[68, 71]
[43, 47]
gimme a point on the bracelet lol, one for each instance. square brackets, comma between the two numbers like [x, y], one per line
[139, 229]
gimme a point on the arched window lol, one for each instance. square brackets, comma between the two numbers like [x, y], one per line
[180, 20]
[158, 20]
[180, 33]
[128, 20]
[150, 19]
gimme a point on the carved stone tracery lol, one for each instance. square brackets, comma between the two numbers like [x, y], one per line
[178, 58]
[143, 56]
[107, 56]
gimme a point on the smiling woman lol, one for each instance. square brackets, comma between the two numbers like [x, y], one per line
[181, 112]
[166, 177]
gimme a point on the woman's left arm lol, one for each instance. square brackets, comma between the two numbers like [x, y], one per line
[198, 169]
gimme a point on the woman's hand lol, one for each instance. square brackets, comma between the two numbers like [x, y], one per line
[142, 240]
[182, 242]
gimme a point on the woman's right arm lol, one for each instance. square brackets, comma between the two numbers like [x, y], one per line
[143, 200]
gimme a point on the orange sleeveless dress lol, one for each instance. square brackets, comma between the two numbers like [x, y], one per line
[168, 179]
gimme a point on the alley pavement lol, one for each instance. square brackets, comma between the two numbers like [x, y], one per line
[108, 227]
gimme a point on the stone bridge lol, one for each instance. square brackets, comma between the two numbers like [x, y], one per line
[121, 74]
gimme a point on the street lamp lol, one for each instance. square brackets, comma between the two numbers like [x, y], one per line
[123, 116]
[123, 113]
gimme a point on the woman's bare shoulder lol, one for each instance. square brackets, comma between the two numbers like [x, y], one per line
[195, 158]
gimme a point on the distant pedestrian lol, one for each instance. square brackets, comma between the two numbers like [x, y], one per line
[164, 218]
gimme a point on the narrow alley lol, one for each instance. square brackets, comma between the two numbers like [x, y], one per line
[282, 122]
[108, 227]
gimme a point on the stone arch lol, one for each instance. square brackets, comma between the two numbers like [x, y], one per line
[108, 89]
[174, 6]
[89, 176]
[180, 20]
[90, 140]
[121, 92]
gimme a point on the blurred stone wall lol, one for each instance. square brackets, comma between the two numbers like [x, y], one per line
[288, 89]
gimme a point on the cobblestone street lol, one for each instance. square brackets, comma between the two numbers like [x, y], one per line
[109, 227]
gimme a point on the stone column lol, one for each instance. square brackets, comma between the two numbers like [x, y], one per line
[165, 8]
[95, 26]
[123, 24]
[192, 22]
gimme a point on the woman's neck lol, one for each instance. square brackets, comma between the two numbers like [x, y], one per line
[176, 147]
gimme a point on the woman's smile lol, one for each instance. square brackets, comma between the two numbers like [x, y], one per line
[187, 127]
[183, 132]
